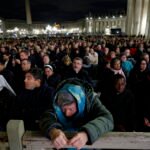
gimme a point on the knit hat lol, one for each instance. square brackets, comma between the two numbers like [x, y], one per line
[48, 66]
[64, 98]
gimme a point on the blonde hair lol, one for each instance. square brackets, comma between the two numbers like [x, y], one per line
[66, 60]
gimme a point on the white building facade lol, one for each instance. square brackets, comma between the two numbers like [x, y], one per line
[104, 25]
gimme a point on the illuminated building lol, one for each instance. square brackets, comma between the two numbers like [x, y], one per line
[138, 17]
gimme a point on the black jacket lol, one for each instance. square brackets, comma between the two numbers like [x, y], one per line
[7, 100]
[121, 105]
[30, 104]
[82, 75]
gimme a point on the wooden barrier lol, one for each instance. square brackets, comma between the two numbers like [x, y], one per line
[29, 140]
[3, 141]
[15, 131]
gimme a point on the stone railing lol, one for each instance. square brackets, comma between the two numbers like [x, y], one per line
[3, 141]
[18, 139]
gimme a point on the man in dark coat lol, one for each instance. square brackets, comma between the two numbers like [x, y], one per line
[33, 100]
[77, 71]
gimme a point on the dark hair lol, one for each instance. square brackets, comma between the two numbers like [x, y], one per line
[2, 61]
[117, 77]
[112, 62]
[78, 58]
[37, 73]
[25, 51]
[28, 60]
[86, 60]
[6, 53]
[46, 55]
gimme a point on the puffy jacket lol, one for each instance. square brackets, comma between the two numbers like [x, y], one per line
[94, 119]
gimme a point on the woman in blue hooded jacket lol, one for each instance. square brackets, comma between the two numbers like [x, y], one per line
[76, 108]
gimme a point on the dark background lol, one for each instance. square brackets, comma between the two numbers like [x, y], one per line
[61, 10]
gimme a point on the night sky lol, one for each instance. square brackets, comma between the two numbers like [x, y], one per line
[61, 10]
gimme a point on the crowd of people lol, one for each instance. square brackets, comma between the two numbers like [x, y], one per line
[116, 69]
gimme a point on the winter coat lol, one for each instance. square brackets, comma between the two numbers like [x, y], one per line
[92, 116]
[122, 107]
[31, 104]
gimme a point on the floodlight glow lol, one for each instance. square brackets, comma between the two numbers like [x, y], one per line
[36, 31]
[1, 31]
[49, 28]
[54, 29]
[107, 31]
[16, 29]
[10, 31]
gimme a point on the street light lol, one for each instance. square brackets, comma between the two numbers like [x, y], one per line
[16, 29]
[48, 28]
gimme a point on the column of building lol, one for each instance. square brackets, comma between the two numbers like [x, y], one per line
[144, 17]
[28, 12]
[97, 26]
[138, 17]
[86, 26]
[130, 9]
[123, 23]
[148, 22]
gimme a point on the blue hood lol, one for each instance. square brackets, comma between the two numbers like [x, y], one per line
[78, 93]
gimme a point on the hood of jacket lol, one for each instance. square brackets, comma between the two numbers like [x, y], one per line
[81, 91]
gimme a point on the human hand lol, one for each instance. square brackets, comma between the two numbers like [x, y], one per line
[146, 122]
[79, 140]
[121, 128]
[58, 138]
[18, 61]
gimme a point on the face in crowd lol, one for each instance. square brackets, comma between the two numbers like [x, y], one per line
[25, 65]
[70, 109]
[119, 83]
[116, 64]
[46, 59]
[33, 79]
[67, 103]
[24, 55]
[77, 64]
[143, 65]
[48, 71]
